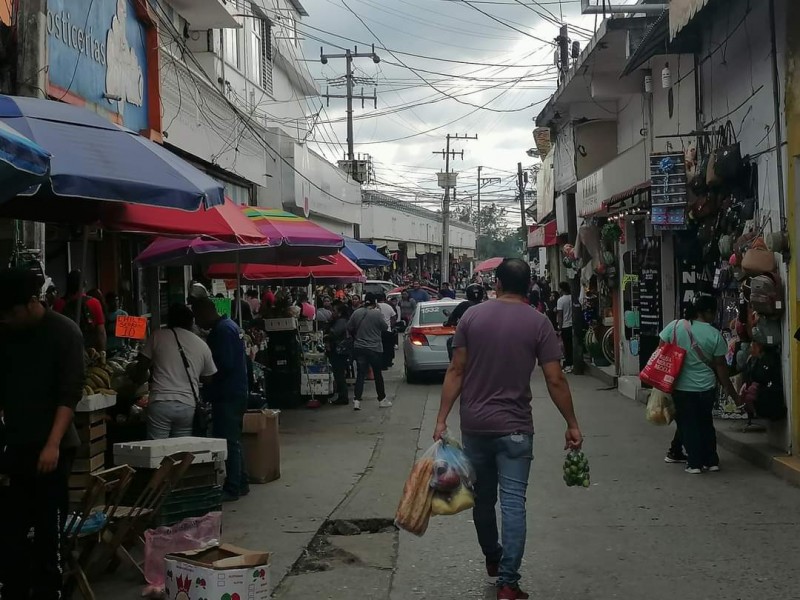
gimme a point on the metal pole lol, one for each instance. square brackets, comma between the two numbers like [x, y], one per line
[238, 289]
[521, 184]
[776, 96]
[445, 270]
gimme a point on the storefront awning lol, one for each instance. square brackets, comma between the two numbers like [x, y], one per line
[543, 235]
[627, 194]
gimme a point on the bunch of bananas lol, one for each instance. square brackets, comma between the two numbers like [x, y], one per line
[99, 373]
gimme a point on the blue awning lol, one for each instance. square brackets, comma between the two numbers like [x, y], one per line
[363, 255]
[96, 160]
[23, 163]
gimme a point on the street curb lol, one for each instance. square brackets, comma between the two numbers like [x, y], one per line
[760, 455]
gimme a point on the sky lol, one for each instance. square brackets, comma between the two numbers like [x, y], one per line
[476, 67]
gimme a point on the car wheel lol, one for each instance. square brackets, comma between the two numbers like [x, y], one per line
[411, 376]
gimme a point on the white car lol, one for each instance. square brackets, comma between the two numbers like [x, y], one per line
[425, 344]
[376, 286]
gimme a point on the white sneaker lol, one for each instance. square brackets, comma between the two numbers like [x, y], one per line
[692, 471]
[356, 404]
[712, 469]
[385, 403]
[567, 369]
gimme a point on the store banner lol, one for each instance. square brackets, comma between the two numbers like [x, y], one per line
[542, 235]
[564, 159]
[545, 190]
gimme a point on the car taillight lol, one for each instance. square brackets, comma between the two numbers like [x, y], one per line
[417, 338]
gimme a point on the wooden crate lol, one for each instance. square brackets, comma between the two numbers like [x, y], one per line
[89, 418]
[92, 432]
[89, 464]
[92, 449]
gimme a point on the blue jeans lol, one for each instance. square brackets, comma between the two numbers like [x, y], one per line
[169, 419]
[504, 462]
[226, 423]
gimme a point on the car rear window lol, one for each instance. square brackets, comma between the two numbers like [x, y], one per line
[374, 288]
[434, 314]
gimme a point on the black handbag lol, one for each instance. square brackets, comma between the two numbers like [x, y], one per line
[728, 156]
[202, 410]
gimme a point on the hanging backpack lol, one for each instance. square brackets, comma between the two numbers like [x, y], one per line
[766, 294]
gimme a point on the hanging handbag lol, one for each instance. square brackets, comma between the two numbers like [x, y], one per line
[758, 259]
[664, 365]
[728, 157]
[202, 410]
[717, 141]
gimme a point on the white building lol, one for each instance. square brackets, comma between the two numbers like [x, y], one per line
[414, 233]
[236, 100]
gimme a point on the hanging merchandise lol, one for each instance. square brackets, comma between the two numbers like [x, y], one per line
[758, 259]
[611, 232]
[766, 294]
[668, 192]
[726, 159]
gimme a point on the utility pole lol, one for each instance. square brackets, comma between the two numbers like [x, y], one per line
[482, 181]
[563, 51]
[446, 182]
[348, 56]
[521, 183]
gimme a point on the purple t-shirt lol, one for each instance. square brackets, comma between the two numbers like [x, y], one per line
[504, 341]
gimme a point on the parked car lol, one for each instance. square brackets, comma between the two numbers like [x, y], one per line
[425, 343]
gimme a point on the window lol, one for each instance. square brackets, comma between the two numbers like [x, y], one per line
[265, 39]
[233, 47]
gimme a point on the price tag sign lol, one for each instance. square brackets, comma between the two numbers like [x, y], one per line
[134, 328]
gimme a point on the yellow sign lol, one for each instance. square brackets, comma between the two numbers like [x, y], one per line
[626, 279]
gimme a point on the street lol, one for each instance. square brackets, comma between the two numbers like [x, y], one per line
[642, 527]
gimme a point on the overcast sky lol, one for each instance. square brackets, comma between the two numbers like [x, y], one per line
[422, 99]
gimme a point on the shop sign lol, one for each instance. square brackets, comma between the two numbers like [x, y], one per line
[97, 51]
[133, 328]
[542, 235]
[545, 187]
[589, 197]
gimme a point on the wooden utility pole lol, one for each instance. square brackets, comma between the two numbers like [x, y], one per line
[482, 181]
[446, 183]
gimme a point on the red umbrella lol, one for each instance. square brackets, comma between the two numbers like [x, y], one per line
[336, 268]
[490, 264]
[225, 222]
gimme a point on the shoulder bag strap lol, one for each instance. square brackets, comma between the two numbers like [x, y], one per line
[695, 346]
[186, 366]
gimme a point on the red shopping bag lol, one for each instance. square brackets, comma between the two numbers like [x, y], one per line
[664, 365]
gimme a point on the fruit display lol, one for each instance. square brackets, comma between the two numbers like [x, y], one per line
[576, 469]
[104, 376]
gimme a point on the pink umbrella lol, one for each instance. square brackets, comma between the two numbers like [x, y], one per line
[490, 264]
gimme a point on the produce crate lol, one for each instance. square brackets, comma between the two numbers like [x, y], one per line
[90, 455]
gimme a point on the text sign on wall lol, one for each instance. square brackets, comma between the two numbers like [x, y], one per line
[97, 51]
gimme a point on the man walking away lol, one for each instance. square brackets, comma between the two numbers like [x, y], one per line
[40, 383]
[366, 327]
[474, 294]
[387, 337]
[564, 319]
[227, 392]
[496, 347]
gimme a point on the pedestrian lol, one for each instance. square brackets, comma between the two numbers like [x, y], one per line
[178, 360]
[418, 294]
[496, 348]
[227, 392]
[85, 310]
[395, 304]
[340, 350]
[40, 384]
[564, 320]
[307, 310]
[695, 390]
[254, 302]
[113, 312]
[51, 296]
[366, 327]
[447, 292]
[387, 337]
[268, 298]
[240, 304]
[407, 306]
[475, 295]
[324, 312]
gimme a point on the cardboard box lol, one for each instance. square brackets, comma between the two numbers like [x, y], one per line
[261, 445]
[220, 572]
[314, 384]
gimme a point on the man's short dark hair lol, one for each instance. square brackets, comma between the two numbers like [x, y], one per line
[203, 304]
[74, 282]
[565, 287]
[515, 276]
[180, 315]
[370, 298]
[18, 286]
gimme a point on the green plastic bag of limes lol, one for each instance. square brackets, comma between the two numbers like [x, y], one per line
[576, 469]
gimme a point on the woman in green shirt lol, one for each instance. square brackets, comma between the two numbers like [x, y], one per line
[695, 389]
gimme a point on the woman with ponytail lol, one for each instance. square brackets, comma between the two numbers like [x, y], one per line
[695, 389]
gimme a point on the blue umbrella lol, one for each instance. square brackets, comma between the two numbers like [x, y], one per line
[22, 162]
[94, 160]
[363, 255]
